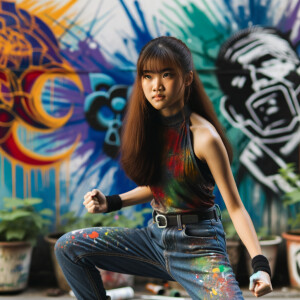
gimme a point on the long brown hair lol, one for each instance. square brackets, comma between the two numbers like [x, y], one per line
[141, 147]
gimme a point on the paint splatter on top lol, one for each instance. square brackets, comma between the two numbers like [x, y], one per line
[187, 183]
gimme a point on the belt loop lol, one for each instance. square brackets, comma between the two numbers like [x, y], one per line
[218, 211]
[179, 223]
[215, 215]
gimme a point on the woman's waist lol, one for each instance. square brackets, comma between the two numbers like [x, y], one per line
[168, 205]
[164, 219]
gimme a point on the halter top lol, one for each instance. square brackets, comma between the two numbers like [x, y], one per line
[186, 183]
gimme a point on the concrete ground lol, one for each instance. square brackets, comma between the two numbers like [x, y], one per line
[284, 293]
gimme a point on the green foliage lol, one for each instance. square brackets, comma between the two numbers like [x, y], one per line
[19, 221]
[263, 234]
[114, 219]
[291, 199]
[290, 175]
[228, 226]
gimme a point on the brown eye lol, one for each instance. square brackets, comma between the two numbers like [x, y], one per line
[167, 75]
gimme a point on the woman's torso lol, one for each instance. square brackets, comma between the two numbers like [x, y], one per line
[186, 183]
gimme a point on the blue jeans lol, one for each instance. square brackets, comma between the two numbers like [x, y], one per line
[195, 257]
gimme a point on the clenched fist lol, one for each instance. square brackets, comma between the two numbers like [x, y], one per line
[95, 202]
[260, 284]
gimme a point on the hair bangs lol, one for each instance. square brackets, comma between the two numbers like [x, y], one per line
[156, 59]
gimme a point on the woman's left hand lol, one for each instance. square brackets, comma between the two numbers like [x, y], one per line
[260, 284]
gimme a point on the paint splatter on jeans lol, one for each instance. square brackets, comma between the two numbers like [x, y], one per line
[195, 257]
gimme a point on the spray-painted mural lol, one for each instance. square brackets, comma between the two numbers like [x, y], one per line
[67, 67]
[262, 99]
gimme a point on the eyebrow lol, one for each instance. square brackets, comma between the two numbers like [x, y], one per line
[159, 71]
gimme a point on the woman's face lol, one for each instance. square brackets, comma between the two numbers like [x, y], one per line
[164, 89]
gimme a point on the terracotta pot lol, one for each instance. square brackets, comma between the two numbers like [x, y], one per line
[15, 260]
[60, 278]
[293, 256]
[269, 249]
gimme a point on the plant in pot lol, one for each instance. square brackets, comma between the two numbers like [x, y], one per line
[70, 222]
[292, 235]
[20, 226]
[269, 244]
[233, 241]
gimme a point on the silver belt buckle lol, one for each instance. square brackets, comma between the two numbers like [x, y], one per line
[159, 218]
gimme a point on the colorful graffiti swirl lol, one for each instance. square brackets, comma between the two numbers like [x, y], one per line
[29, 58]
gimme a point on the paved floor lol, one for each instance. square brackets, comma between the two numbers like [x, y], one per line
[284, 293]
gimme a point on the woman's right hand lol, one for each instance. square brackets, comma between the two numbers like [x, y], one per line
[95, 202]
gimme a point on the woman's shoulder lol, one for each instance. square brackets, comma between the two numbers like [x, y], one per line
[198, 124]
[204, 134]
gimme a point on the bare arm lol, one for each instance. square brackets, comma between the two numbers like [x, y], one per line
[215, 155]
[139, 195]
[95, 201]
[209, 146]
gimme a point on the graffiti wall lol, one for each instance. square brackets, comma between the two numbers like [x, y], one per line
[66, 71]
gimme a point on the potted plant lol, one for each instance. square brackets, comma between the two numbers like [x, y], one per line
[292, 236]
[233, 241]
[269, 244]
[20, 226]
[70, 221]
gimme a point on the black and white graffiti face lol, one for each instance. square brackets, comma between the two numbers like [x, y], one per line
[262, 85]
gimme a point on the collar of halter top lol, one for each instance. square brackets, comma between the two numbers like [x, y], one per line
[176, 119]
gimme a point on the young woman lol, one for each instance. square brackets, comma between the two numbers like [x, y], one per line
[174, 148]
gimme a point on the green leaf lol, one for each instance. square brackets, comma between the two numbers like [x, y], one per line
[12, 202]
[68, 215]
[262, 233]
[37, 220]
[32, 201]
[46, 212]
[20, 221]
[3, 226]
[14, 215]
[15, 234]
[292, 197]
[228, 225]
[289, 174]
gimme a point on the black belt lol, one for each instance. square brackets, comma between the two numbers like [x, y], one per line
[164, 221]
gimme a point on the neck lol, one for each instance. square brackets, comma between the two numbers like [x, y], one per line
[177, 118]
[171, 111]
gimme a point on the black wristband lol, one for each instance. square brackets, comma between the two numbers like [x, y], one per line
[114, 202]
[260, 263]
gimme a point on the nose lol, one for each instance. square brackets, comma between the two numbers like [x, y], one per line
[157, 84]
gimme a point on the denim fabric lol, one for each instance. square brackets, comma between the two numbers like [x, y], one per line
[195, 257]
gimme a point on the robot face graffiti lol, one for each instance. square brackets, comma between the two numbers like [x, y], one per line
[262, 91]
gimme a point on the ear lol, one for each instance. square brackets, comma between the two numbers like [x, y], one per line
[189, 77]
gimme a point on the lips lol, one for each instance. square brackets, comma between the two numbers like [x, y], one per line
[158, 97]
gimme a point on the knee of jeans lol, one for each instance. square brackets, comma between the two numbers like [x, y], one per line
[60, 248]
